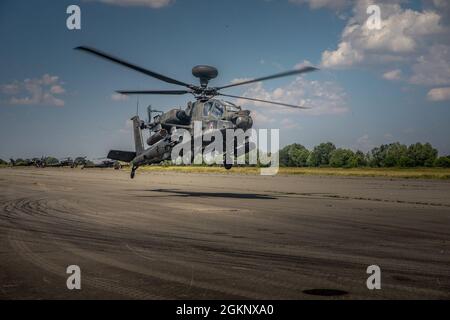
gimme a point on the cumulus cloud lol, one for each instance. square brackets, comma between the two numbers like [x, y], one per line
[126, 129]
[155, 4]
[304, 63]
[439, 94]
[344, 56]
[393, 75]
[37, 91]
[322, 97]
[12, 88]
[403, 32]
[432, 68]
[319, 4]
[412, 45]
[364, 143]
[442, 4]
[57, 89]
[119, 97]
[261, 118]
[288, 123]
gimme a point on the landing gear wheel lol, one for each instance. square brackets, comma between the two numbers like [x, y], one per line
[228, 166]
[133, 172]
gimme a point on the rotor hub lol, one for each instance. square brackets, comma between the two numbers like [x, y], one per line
[204, 73]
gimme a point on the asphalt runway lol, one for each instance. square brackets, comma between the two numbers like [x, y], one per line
[214, 236]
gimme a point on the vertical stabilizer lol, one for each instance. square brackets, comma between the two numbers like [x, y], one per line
[138, 144]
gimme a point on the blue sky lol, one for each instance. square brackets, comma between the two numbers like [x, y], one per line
[373, 87]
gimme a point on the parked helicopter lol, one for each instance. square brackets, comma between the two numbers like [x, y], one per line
[104, 163]
[39, 162]
[213, 113]
[65, 162]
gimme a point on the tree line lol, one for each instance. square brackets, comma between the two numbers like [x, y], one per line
[47, 161]
[387, 155]
[327, 155]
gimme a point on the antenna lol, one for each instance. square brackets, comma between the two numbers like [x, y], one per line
[137, 106]
[149, 113]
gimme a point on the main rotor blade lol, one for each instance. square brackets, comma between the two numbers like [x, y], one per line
[153, 91]
[278, 75]
[132, 66]
[265, 101]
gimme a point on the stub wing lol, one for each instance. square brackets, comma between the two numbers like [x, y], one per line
[125, 156]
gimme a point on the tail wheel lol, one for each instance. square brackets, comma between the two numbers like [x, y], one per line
[133, 172]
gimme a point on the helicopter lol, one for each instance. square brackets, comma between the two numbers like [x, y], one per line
[80, 161]
[104, 163]
[213, 113]
[39, 162]
[64, 162]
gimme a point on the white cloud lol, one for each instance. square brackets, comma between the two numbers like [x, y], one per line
[119, 97]
[57, 89]
[442, 4]
[319, 4]
[393, 75]
[12, 88]
[261, 118]
[48, 79]
[432, 68]
[439, 94]
[303, 64]
[138, 3]
[344, 56]
[126, 129]
[38, 91]
[364, 143]
[321, 97]
[288, 123]
[403, 32]
[412, 45]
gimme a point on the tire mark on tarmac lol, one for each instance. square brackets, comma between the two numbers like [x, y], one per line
[18, 243]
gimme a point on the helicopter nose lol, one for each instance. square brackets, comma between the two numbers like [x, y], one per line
[244, 122]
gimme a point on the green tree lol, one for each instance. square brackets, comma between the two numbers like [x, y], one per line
[358, 160]
[376, 156]
[395, 152]
[422, 155]
[51, 160]
[284, 156]
[389, 155]
[341, 158]
[3, 162]
[19, 162]
[294, 155]
[300, 156]
[443, 162]
[320, 156]
[80, 160]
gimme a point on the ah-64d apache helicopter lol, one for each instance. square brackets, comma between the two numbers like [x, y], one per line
[213, 113]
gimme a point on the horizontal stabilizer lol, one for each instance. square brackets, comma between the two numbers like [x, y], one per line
[125, 156]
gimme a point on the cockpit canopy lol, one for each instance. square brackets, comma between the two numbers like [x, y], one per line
[214, 109]
[218, 109]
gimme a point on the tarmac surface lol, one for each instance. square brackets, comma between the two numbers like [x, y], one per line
[220, 236]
